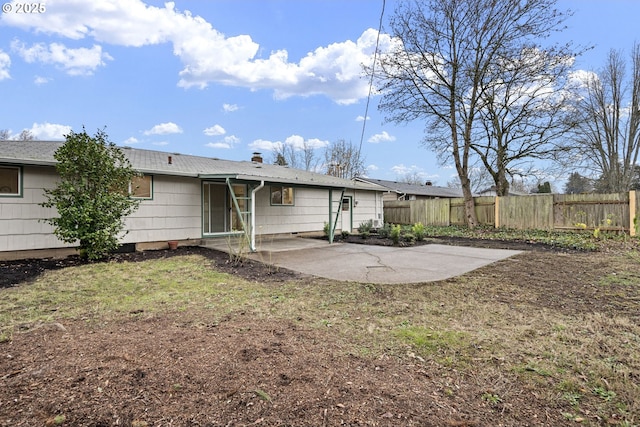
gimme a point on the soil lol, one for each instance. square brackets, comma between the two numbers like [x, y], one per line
[162, 371]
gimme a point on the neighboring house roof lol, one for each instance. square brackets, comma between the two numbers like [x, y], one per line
[176, 164]
[402, 188]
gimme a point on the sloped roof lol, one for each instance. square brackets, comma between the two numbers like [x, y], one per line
[157, 162]
[415, 189]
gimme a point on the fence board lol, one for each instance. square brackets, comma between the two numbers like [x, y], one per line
[542, 212]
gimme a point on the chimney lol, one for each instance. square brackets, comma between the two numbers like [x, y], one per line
[428, 183]
[257, 157]
[170, 160]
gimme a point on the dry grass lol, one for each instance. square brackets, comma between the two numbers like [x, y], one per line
[489, 328]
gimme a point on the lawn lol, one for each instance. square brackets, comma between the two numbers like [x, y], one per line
[548, 337]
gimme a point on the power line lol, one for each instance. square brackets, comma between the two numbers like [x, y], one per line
[373, 68]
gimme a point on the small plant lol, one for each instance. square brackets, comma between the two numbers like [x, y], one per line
[364, 229]
[418, 229]
[604, 394]
[345, 234]
[409, 238]
[325, 229]
[395, 233]
[385, 231]
[491, 398]
[263, 395]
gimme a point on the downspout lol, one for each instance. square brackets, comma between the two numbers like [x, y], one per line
[252, 246]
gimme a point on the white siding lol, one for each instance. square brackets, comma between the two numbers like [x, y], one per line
[311, 210]
[174, 213]
[20, 225]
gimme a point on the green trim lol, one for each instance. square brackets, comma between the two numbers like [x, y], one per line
[20, 193]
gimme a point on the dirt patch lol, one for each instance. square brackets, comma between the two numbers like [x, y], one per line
[186, 369]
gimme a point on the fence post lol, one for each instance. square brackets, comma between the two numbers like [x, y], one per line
[496, 212]
[632, 212]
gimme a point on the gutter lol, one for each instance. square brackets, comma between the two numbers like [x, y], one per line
[252, 244]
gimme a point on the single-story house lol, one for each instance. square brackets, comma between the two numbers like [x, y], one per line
[394, 190]
[186, 198]
[491, 191]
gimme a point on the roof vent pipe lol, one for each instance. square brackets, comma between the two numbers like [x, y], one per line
[257, 157]
[170, 160]
[428, 183]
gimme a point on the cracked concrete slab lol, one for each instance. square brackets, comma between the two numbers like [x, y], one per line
[377, 264]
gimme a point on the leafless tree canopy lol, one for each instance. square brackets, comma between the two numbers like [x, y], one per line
[608, 135]
[448, 55]
[343, 159]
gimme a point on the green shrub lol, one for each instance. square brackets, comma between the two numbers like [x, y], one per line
[395, 233]
[325, 229]
[345, 234]
[385, 231]
[418, 230]
[364, 229]
[409, 237]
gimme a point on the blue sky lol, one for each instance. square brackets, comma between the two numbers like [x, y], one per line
[224, 78]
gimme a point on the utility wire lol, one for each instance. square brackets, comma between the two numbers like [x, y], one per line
[373, 68]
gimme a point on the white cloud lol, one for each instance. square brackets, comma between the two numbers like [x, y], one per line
[39, 80]
[164, 129]
[75, 62]
[381, 137]
[361, 118]
[264, 145]
[5, 63]
[299, 143]
[131, 141]
[227, 142]
[372, 168]
[214, 130]
[49, 131]
[207, 55]
[229, 108]
[160, 143]
[402, 170]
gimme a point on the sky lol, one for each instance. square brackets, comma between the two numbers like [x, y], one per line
[226, 78]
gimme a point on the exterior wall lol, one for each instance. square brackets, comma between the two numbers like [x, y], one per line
[20, 225]
[174, 213]
[311, 210]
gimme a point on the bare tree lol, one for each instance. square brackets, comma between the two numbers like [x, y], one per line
[26, 135]
[304, 157]
[608, 135]
[447, 54]
[343, 159]
[413, 177]
[5, 134]
[525, 115]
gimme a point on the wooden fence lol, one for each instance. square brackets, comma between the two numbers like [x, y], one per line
[608, 212]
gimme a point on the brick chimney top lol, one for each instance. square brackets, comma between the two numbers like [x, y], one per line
[257, 157]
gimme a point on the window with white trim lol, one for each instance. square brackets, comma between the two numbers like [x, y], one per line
[141, 187]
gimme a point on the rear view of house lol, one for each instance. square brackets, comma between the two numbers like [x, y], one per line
[185, 198]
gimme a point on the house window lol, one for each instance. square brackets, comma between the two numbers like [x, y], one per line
[141, 187]
[10, 180]
[281, 196]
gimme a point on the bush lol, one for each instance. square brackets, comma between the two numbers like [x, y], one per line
[395, 234]
[385, 231]
[364, 229]
[418, 230]
[325, 229]
[92, 197]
